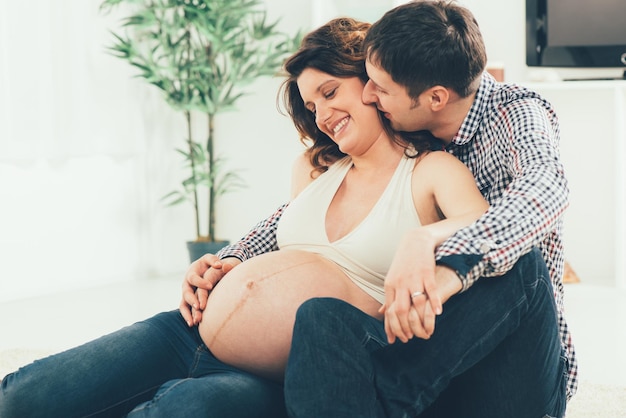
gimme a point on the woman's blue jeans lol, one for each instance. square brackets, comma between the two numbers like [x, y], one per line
[158, 368]
[495, 352]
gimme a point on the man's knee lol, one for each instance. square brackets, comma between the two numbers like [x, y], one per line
[531, 269]
[320, 310]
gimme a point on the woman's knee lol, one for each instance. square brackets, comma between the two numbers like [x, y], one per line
[18, 397]
[7, 397]
[232, 394]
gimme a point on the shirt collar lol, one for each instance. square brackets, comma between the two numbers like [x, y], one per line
[472, 119]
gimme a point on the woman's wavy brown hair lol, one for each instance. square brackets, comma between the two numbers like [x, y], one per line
[335, 48]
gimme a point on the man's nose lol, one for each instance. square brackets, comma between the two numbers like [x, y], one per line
[368, 96]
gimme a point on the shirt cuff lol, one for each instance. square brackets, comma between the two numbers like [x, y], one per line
[231, 251]
[461, 263]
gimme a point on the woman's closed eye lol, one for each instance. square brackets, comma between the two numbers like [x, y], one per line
[330, 94]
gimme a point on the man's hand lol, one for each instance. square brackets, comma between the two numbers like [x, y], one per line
[202, 275]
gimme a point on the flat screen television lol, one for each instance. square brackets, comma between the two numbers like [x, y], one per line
[576, 33]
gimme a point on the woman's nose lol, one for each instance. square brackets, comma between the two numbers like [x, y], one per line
[322, 114]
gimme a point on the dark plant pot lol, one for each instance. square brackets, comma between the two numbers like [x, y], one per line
[199, 248]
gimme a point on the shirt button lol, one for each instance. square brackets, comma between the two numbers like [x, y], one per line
[484, 248]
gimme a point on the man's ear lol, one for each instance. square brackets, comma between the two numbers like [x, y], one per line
[438, 97]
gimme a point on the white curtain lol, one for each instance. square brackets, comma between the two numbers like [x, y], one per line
[85, 154]
[55, 83]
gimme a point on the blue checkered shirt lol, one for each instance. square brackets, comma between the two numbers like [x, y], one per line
[510, 141]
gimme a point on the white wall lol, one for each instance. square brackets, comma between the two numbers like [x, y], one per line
[593, 137]
[592, 129]
[95, 217]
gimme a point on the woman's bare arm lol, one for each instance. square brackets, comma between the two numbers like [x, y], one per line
[446, 193]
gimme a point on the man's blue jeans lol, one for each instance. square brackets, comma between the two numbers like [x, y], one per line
[495, 352]
[158, 368]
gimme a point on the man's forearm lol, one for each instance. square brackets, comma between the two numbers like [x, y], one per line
[259, 240]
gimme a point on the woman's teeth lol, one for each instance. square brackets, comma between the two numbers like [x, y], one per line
[340, 125]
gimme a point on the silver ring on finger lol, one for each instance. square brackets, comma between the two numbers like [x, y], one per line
[416, 294]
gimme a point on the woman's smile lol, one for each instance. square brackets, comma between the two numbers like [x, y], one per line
[339, 126]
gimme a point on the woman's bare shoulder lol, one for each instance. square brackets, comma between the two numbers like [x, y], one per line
[302, 174]
[438, 161]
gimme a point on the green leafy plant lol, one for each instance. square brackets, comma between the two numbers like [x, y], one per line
[201, 54]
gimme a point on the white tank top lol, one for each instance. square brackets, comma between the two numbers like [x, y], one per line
[365, 253]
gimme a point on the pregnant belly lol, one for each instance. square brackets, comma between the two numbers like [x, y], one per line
[250, 314]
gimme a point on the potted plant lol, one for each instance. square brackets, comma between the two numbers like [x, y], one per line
[201, 54]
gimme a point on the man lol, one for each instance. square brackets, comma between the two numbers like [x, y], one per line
[499, 345]
[494, 351]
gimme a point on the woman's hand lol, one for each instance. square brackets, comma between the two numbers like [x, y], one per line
[202, 275]
[448, 284]
[411, 295]
[415, 288]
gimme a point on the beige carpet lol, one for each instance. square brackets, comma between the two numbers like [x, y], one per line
[592, 400]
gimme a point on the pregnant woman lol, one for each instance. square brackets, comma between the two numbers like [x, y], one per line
[359, 191]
